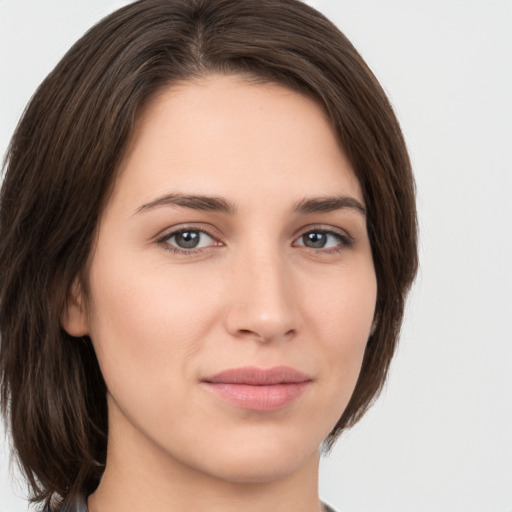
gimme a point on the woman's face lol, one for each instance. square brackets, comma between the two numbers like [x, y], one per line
[232, 287]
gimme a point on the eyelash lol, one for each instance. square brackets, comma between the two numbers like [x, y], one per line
[345, 241]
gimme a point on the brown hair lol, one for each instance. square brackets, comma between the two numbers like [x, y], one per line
[61, 164]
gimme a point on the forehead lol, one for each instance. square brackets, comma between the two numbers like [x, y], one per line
[226, 136]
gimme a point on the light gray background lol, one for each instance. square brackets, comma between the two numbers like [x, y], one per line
[440, 437]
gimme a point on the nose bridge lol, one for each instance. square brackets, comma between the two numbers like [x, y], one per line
[262, 304]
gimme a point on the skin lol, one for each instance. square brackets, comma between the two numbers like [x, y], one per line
[253, 293]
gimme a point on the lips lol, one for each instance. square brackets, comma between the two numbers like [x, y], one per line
[258, 389]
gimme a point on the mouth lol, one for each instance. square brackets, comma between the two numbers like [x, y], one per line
[258, 389]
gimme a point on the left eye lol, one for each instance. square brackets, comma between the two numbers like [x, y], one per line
[189, 239]
[321, 240]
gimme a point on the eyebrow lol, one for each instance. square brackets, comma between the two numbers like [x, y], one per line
[219, 204]
[195, 202]
[329, 204]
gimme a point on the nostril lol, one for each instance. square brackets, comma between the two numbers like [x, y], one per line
[262, 336]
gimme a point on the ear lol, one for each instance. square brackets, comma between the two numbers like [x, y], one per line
[73, 317]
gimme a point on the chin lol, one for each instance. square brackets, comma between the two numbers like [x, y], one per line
[261, 461]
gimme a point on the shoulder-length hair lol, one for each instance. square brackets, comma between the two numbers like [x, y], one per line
[61, 165]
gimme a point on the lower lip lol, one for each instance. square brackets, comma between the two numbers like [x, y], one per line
[258, 398]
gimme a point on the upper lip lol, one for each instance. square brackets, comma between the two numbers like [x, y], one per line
[254, 376]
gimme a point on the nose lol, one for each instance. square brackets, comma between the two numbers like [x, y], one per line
[262, 300]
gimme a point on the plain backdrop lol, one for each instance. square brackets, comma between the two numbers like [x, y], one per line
[440, 437]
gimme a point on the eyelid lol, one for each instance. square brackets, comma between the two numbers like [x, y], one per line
[325, 228]
[192, 226]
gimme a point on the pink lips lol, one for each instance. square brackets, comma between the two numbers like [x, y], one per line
[258, 389]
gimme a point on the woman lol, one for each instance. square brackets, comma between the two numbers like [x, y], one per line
[207, 234]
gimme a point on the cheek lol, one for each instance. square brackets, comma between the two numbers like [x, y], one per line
[343, 307]
[150, 318]
[341, 315]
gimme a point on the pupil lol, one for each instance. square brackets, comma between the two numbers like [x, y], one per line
[315, 240]
[187, 239]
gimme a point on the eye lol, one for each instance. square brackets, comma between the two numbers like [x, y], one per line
[188, 240]
[323, 239]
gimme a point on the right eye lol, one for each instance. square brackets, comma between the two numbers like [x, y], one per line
[188, 240]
